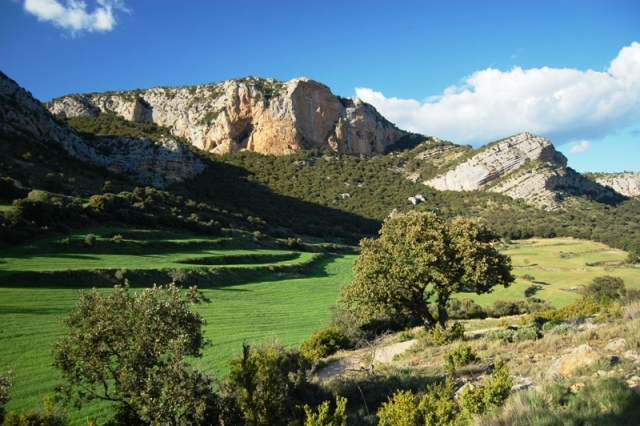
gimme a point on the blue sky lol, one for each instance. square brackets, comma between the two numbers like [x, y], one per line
[466, 71]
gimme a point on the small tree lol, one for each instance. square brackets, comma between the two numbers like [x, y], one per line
[606, 286]
[419, 256]
[265, 380]
[130, 349]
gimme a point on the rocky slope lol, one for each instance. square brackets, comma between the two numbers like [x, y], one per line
[260, 115]
[522, 166]
[140, 159]
[627, 183]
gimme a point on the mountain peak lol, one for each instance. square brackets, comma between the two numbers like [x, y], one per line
[250, 113]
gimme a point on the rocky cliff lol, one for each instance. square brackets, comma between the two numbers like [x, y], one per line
[142, 160]
[627, 183]
[261, 115]
[522, 166]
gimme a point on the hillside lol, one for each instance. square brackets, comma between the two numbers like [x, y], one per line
[320, 192]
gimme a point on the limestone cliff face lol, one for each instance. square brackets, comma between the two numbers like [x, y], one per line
[522, 166]
[497, 160]
[260, 115]
[627, 183]
[142, 160]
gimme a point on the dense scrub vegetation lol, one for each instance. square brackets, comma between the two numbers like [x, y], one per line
[318, 193]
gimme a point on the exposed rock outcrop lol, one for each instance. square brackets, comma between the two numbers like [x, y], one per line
[627, 183]
[523, 166]
[496, 160]
[260, 115]
[142, 160]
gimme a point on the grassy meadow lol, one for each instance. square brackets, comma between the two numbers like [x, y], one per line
[558, 265]
[284, 305]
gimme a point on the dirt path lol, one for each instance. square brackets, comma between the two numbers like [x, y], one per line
[362, 360]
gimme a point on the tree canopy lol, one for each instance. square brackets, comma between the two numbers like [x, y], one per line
[419, 256]
[129, 348]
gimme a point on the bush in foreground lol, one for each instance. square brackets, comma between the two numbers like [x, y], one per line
[323, 343]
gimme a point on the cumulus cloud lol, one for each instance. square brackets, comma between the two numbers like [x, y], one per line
[579, 147]
[73, 14]
[565, 105]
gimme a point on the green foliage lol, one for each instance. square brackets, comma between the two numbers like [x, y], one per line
[461, 356]
[265, 381]
[503, 308]
[585, 306]
[435, 407]
[400, 410]
[112, 125]
[323, 343]
[49, 416]
[489, 394]
[5, 384]
[605, 287]
[130, 349]
[324, 417]
[439, 337]
[90, 240]
[464, 309]
[419, 256]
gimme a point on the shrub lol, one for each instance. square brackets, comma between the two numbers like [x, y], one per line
[489, 394]
[605, 287]
[503, 335]
[503, 308]
[461, 356]
[439, 337]
[50, 416]
[323, 343]
[90, 240]
[528, 277]
[324, 417]
[435, 407]
[583, 307]
[401, 409]
[464, 309]
[526, 333]
[265, 381]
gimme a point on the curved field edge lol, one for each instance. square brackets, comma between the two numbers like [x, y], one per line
[288, 309]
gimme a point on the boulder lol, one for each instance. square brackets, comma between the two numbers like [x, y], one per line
[577, 358]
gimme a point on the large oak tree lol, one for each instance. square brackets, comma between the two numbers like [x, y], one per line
[420, 258]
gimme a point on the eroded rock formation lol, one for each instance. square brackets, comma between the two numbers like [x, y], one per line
[148, 163]
[260, 115]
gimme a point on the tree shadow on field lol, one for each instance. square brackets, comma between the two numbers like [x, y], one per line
[31, 311]
[230, 288]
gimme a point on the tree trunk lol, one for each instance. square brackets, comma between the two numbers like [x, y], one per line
[443, 316]
[427, 319]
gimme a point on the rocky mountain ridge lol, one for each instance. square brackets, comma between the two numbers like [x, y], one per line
[278, 118]
[522, 166]
[625, 183]
[261, 115]
[142, 160]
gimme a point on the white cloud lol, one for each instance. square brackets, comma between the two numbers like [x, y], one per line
[579, 147]
[564, 105]
[73, 15]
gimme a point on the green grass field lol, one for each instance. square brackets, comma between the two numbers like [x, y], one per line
[558, 265]
[289, 308]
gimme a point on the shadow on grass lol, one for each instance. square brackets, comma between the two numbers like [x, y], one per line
[316, 267]
[31, 311]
